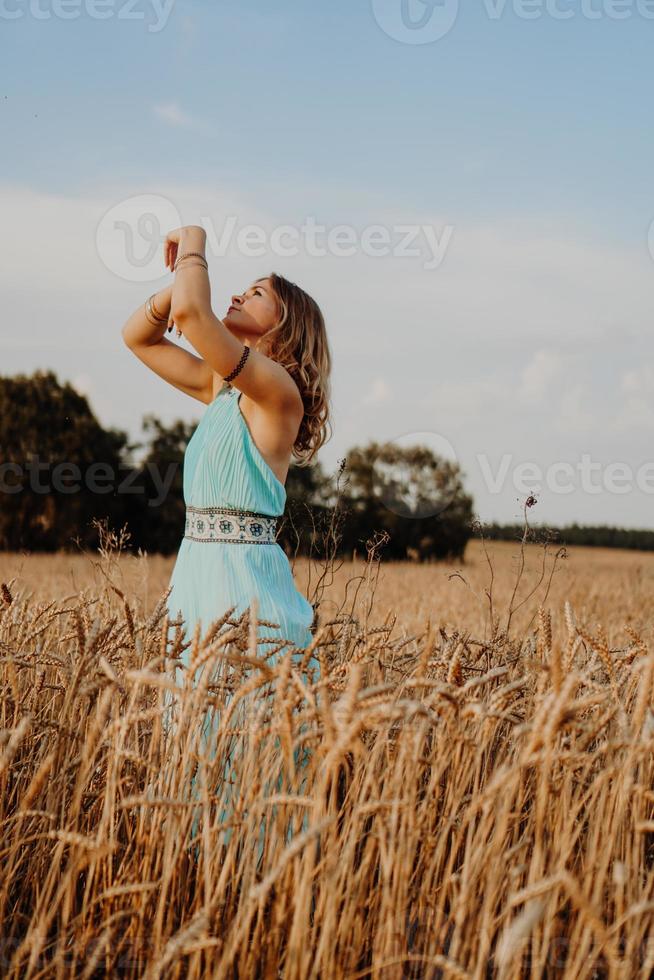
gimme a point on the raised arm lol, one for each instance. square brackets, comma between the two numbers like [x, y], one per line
[261, 378]
[178, 367]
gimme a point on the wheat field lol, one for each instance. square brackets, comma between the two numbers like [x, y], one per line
[475, 796]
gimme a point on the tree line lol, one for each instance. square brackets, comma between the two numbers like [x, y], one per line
[61, 472]
[590, 535]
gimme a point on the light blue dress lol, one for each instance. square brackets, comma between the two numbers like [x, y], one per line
[224, 468]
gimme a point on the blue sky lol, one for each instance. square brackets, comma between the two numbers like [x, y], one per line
[530, 139]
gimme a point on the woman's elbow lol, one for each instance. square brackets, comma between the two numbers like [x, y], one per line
[125, 335]
[182, 312]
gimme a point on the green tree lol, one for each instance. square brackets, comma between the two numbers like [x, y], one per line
[59, 468]
[155, 515]
[414, 495]
[304, 529]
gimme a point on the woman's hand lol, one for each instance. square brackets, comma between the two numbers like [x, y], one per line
[189, 238]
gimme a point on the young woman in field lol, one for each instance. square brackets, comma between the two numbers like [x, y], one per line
[263, 370]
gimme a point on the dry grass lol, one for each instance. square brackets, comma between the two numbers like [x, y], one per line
[476, 797]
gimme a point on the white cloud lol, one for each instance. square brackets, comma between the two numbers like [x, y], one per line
[379, 391]
[467, 399]
[174, 115]
[448, 344]
[637, 408]
[638, 413]
[573, 413]
[539, 375]
[639, 380]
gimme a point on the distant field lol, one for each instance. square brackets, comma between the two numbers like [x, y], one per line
[612, 585]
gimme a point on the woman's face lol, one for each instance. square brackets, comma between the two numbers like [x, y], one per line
[253, 312]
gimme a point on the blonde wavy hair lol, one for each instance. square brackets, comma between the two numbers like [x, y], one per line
[299, 343]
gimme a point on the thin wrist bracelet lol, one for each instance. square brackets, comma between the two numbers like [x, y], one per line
[151, 314]
[155, 310]
[196, 262]
[186, 255]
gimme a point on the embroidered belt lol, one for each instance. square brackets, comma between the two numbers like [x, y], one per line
[233, 526]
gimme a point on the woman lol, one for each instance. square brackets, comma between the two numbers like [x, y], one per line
[272, 345]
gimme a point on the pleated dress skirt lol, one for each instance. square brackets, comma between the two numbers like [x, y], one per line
[228, 558]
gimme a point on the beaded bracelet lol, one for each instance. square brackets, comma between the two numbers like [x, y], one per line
[239, 366]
